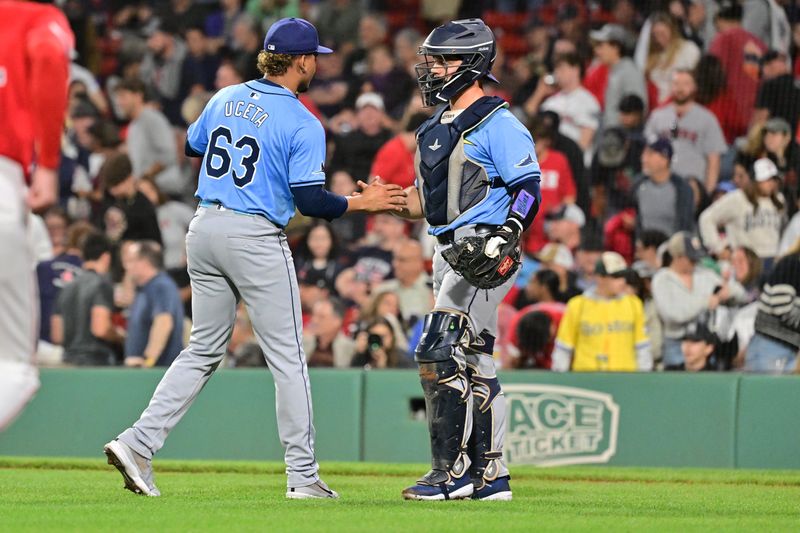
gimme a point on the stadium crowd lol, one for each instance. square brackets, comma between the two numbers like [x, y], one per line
[666, 131]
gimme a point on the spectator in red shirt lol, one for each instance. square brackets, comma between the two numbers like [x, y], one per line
[394, 162]
[596, 80]
[557, 185]
[711, 81]
[618, 233]
[740, 52]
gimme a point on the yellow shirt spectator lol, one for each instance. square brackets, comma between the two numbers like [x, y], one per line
[603, 329]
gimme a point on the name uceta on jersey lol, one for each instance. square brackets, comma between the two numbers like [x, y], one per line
[247, 111]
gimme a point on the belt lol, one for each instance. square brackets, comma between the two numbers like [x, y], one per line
[219, 207]
[215, 205]
[451, 236]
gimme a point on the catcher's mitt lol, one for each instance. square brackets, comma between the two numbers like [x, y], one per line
[485, 261]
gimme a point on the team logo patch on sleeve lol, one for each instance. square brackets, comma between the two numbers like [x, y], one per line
[526, 161]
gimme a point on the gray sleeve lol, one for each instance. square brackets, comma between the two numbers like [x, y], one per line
[737, 291]
[162, 140]
[561, 358]
[717, 214]
[644, 357]
[610, 113]
[713, 141]
[58, 305]
[104, 296]
[650, 126]
[756, 19]
[631, 82]
[790, 235]
[137, 150]
[673, 309]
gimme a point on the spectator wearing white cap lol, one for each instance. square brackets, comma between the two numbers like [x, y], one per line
[564, 225]
[664, 201]
[355, 149]
[683, 291]
[604, 328]
[558, 258]
[751, 217]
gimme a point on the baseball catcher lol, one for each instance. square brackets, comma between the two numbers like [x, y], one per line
[477, 184]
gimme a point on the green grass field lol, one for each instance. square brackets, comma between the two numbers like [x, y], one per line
[87, 495]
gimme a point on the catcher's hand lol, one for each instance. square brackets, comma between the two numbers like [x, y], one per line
[500, 243]
[486, 261]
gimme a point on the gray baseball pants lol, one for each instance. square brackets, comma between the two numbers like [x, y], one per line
[453, 292]
[233, 256]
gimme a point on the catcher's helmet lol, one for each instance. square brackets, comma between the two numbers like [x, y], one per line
[469, 40]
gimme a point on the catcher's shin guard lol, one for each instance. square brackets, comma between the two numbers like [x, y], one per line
[489, 413]
[448, 396]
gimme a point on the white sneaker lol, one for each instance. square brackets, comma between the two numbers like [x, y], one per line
[135, 469]
[317, 489]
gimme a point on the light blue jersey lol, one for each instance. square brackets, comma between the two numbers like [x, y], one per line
[258, 141]
[504, 148]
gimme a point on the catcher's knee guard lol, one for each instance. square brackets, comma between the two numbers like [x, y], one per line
[448, 396]
[486, 441]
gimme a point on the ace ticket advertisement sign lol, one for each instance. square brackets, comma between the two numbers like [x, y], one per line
[550, 425]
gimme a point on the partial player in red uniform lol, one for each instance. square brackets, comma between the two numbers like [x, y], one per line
[35, 43]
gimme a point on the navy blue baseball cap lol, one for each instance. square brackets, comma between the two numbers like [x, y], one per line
[662, 145]
[293, 36]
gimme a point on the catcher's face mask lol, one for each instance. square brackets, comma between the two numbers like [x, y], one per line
[437, 72]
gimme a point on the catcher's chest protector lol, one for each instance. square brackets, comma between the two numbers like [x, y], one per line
[451, 183]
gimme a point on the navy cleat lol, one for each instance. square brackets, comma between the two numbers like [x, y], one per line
[499, 489]
[439, 485]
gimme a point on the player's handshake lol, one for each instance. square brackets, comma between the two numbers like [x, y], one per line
[377, 197]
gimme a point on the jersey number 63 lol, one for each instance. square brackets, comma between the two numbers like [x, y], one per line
[222, 151]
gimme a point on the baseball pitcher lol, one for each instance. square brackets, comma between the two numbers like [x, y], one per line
[263, 155]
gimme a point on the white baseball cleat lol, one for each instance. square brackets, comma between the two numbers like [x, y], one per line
[318, 490]
[136, 470]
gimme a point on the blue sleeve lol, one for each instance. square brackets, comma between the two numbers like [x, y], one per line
[510, 148]
[159, 300]
[525, 202]
[315, 201]
[191, 152]
[197, 135]
[307, 155]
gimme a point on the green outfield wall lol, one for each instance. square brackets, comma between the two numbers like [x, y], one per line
[698, 420]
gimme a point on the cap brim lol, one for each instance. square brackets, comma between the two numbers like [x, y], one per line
[491, 77]
[598, 36]
[324, 50]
